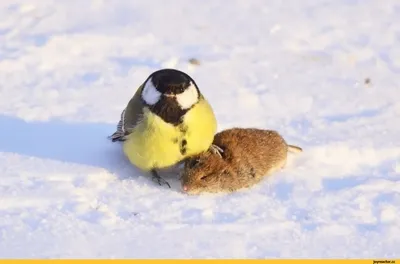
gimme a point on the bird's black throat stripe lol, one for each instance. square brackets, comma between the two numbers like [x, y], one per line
[182, 148]
[169, 111]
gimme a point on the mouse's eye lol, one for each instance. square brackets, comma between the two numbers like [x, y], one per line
[205, 177]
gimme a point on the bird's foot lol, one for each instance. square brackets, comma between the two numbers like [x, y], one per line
[216, 150]
[158, 179]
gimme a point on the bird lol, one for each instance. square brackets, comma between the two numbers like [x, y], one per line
[166, 121]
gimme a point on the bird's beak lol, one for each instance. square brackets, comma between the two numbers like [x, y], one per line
[170, 95]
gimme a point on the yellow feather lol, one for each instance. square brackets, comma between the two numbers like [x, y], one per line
[155, 144]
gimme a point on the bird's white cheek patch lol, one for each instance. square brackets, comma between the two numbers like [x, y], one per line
[188, 98]
[150, 94]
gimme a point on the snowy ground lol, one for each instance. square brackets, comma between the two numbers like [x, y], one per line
[67, 69]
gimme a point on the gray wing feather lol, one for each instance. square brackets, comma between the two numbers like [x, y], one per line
[130, 116]
[120, 134]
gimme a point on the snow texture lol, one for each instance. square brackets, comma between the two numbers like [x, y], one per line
[325, 74]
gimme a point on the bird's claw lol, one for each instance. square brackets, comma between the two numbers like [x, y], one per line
[161, 181]
[216, 150]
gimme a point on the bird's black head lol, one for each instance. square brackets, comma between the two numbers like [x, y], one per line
[171, 81]
[170, 94]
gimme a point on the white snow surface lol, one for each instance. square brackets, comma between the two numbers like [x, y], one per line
[68, 68]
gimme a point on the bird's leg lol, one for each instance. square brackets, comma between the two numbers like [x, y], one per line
[216, 150]
[157, 178]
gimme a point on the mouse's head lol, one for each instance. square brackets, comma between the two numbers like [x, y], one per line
[204, 173]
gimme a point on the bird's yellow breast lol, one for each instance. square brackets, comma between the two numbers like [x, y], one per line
[154, 143]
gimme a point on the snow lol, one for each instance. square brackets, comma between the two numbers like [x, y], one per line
[68, 68]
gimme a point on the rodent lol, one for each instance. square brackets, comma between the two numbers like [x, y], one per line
[249, 154]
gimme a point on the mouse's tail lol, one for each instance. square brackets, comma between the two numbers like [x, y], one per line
[295, 149]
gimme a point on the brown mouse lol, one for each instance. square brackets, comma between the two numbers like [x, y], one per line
[249, 154]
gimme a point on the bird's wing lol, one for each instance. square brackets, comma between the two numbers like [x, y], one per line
[130, 116]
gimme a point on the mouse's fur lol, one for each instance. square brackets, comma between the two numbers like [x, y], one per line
[248, 155]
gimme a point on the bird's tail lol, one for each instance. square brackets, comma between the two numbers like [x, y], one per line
[294, 149]
[117, 136]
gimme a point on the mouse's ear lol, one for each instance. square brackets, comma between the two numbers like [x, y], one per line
[225, 172]
[192, 162]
